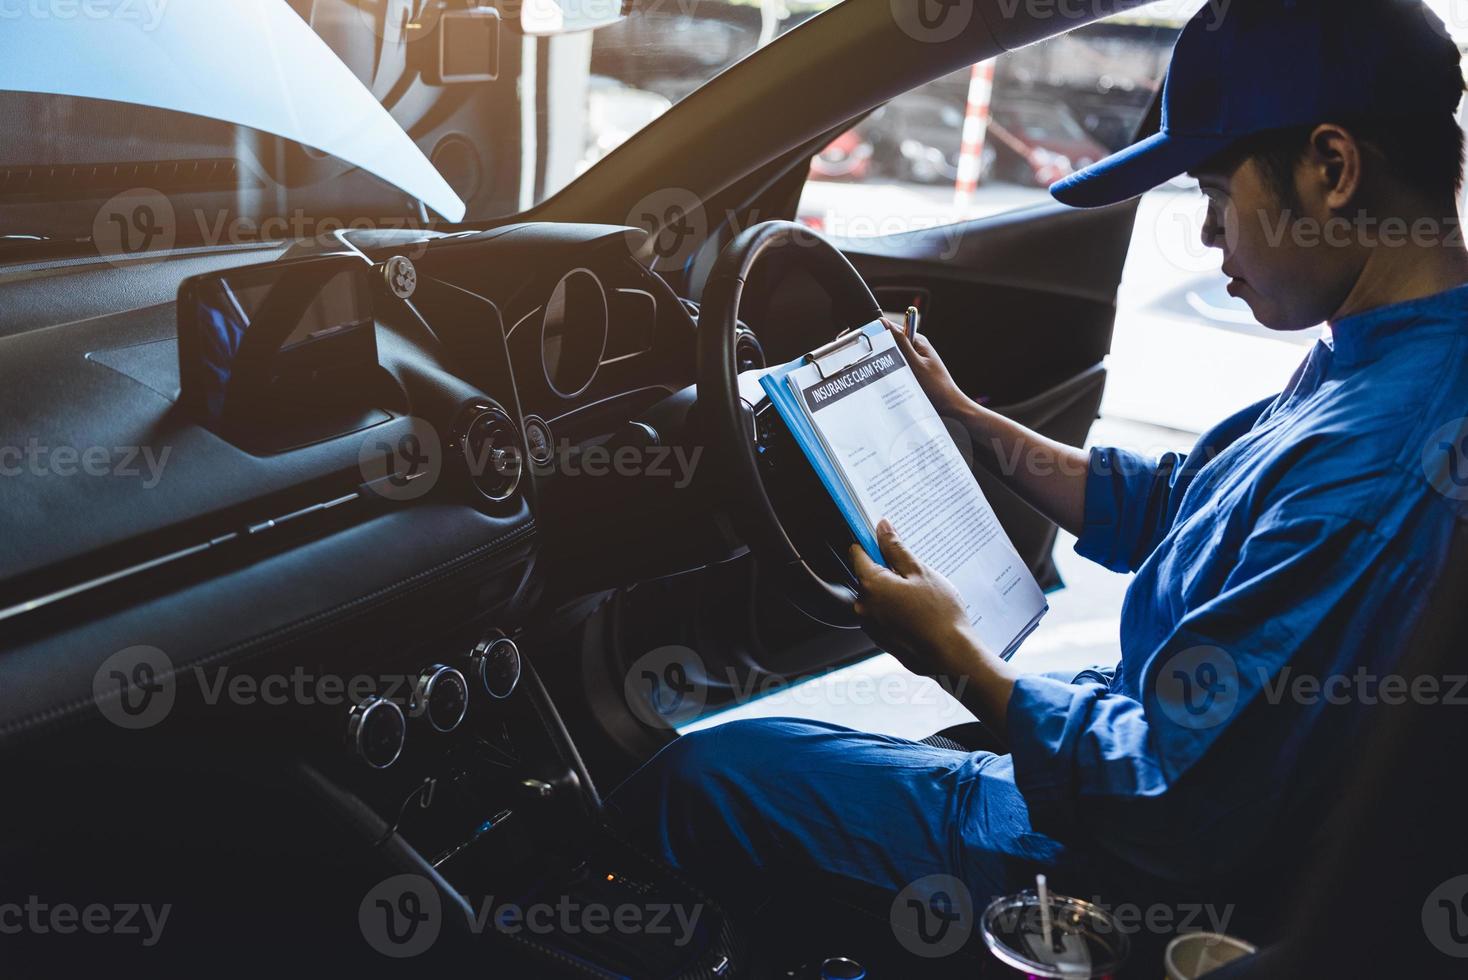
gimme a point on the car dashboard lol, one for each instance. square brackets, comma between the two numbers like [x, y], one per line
[117, 495]
[341, 596]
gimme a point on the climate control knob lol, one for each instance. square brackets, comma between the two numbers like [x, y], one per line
[440, 697]
[376, 731]
[497, 663]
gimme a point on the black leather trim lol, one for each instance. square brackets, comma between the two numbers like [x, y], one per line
[251, 610]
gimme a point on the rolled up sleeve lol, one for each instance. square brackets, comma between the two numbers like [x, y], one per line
[1130, 503]
[1132, 500]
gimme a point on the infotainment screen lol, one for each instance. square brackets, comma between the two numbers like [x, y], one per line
[273, 334]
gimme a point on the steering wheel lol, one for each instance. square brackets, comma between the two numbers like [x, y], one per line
[728, 419]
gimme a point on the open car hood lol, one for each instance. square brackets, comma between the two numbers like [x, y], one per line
[253, 63]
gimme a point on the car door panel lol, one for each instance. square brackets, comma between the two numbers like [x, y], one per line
[1021, 307]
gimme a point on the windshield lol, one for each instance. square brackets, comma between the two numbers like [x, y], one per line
[151, 123]
[131, 129]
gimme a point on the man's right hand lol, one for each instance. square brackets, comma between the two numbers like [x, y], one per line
[931, 373]
[1048, 474]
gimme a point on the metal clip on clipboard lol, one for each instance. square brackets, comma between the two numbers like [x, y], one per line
[837, 346]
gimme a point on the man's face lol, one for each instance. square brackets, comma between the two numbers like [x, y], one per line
[1290, 279]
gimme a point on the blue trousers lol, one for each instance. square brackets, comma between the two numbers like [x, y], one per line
[738, 805]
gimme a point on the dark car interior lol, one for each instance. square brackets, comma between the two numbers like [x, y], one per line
[381, 604]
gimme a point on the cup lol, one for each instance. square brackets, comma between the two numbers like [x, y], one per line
[1085, 943]
[1196, 954]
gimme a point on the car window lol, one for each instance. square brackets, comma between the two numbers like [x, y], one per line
[1032, 116]
[640, 66]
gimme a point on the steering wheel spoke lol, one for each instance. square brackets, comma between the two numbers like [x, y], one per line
[764, 473]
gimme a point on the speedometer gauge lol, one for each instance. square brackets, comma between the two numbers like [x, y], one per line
[574, 332]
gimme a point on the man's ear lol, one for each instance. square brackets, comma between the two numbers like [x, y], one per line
[1333, 164]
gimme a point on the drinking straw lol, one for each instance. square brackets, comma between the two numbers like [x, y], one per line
[1045, 926]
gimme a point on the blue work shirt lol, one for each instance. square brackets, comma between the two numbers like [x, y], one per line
[1298, 539]
[1280, 566]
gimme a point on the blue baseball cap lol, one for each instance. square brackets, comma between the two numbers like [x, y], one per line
[1261, 65]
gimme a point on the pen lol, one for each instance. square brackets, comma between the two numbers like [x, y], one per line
[910, 322]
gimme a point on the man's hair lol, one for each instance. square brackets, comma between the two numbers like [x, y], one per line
[1423, 152]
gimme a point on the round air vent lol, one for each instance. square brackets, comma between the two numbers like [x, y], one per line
[489, 443]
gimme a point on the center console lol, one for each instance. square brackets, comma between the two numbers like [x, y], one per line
[468, 771]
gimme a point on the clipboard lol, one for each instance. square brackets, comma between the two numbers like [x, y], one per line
[818, 357]
[778, 389]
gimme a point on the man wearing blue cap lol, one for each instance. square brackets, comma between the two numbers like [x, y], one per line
[1279, 565]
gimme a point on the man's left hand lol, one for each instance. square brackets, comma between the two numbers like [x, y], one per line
[912, 608]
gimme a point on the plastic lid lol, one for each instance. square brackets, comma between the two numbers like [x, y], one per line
[1086, 941]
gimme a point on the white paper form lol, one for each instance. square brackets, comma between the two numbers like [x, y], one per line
[899, 462]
